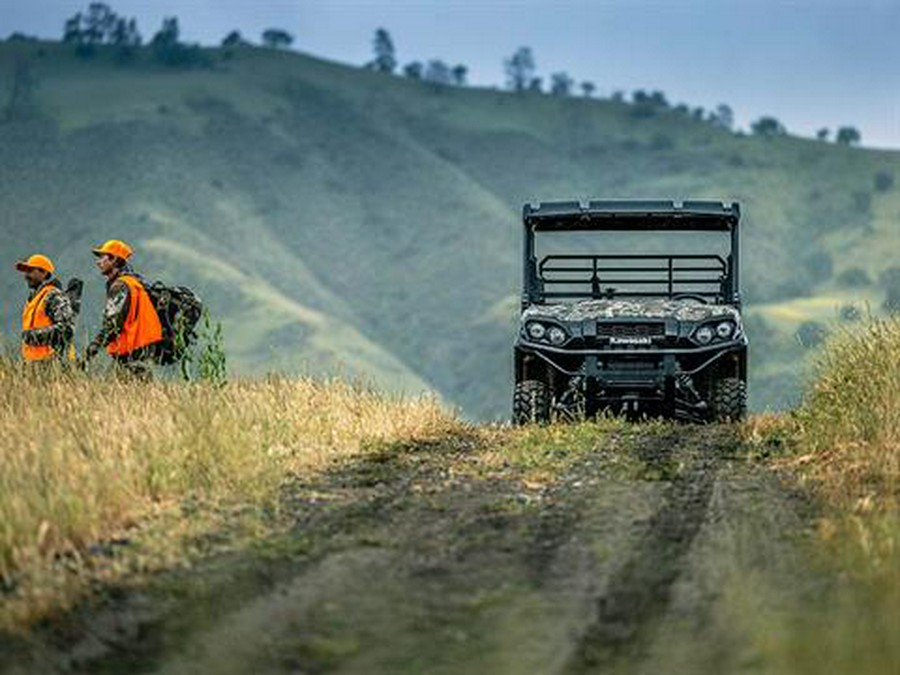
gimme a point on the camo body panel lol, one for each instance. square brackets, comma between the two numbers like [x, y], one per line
[652, 308]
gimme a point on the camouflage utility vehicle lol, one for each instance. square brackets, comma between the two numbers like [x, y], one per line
[634, 333]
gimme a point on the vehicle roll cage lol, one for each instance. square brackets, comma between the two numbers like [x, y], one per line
[711, 277]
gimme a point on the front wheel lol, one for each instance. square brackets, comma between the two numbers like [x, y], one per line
[531, 403]
[729, 400]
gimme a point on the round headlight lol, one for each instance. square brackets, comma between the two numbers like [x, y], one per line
[704, 335]
[536, 330]
[725, 329]
[556, 335]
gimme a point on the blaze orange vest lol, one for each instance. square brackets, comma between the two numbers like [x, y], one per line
[35, 316]
[142, 326]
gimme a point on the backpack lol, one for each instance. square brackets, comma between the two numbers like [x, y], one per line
[73, 290]
[179, 310]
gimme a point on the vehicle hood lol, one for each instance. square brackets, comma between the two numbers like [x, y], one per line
[657, 308]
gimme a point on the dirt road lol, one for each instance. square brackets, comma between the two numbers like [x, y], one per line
[665, 551]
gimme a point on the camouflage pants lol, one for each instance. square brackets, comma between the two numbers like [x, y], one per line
[133, 370]
[135, 367]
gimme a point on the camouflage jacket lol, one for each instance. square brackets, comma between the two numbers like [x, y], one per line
[59, 310]
[115, 312]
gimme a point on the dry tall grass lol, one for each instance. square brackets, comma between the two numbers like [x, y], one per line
[849, 423]
[847, 432]
[81, 458]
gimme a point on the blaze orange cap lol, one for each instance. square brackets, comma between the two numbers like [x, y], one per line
[114, 247]
[37, 261]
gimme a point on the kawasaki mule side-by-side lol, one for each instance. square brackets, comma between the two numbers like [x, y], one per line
[631, 332]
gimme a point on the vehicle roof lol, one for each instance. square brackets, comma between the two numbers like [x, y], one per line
[631, 215]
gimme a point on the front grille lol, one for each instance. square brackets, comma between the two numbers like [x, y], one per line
[644, 329]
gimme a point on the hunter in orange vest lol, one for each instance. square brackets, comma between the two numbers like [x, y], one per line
[131, 327]
[48, 320]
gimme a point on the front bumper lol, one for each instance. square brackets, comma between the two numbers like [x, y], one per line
[625, 363]
[659, 376]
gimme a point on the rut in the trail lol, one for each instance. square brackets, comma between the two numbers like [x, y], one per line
[411, 560]
[639, 591]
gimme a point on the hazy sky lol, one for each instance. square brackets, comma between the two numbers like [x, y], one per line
[811, 64]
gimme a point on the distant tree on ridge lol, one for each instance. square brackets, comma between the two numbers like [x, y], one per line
[847, 136]
[101, 26]
[723, 117]
[438, 72]
[72, 30]
[588, 88]
[520, 70]
[561, 84]
[414, 70]
[168, 34]
[768, 126]
[126, 38]
[276, 38]
[233, 39]
[385, 60]
[459, 73]
[98, 23]
[170, 51]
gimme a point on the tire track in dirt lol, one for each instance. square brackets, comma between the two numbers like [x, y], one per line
[414, 564]
[639, 591]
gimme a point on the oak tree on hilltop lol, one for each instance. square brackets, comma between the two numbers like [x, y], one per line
[170, 51]
[520, 70]
[414, 70]
[385, 60]
[438, 72]
[768, 126]
[168, 34]
[847, 136]
[99, 26]
[722, 117]
[561, 84]
[126, 38]
[459, 72]
[233, 39]
[276, 38]
[72, 30]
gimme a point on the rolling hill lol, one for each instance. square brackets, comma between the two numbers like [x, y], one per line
[338, 220]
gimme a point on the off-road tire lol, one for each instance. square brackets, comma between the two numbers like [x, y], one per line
[729, 400]
[531, 403]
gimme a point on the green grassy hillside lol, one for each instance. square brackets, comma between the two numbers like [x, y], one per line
[337, 219]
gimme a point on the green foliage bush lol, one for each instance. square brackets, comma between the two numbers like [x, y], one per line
[884, 181]
[768, 126]
[854, 277]
[811, 334]
[207, 361]
[661, 141]
[850, 313]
